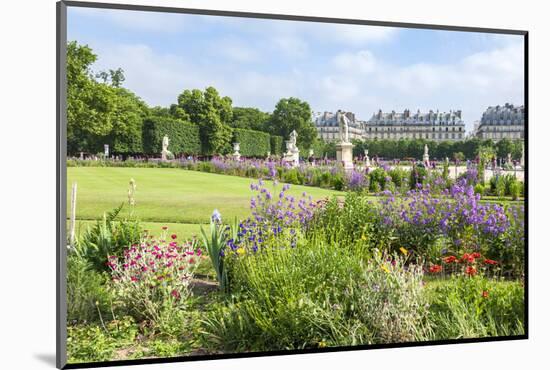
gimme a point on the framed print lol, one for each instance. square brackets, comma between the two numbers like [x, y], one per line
[241, 184]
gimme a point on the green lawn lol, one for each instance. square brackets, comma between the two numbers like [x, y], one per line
[166, 195]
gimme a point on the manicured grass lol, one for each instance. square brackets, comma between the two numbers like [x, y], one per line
[183, 231]
[167, 195]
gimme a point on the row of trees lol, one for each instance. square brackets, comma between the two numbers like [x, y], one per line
[414, 148]
[100, 111]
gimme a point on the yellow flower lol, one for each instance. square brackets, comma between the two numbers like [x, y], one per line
[322, 344]
[363, 237]
[404, 251]
[241, 251]
[385, 268]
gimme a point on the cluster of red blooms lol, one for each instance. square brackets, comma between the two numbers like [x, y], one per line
[467, 258]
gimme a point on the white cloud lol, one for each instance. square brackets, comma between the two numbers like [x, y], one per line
[358, 35]
[134, 20]
[363, 61]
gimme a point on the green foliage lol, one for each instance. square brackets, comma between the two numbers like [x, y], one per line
[377, 180]
[215, 242]
[276, 145]
[184, 136]
[108, 237]
[460, 309]
[249, 118]
[252, 143]
[88, 295]
[100, 113]
[212, 114]
[90, 343]
[293, 114]
[286, 299]
[503, 147]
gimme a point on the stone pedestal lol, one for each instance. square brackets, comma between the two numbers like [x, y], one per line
[344, 155]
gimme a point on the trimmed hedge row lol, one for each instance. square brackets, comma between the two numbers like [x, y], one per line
[276, 145]
[184, 136]
[252, 143]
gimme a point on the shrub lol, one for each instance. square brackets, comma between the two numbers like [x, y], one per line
[476, 307]
[252, 143]
[276, 145]
[377, 180]
[87, 291]
[184, 136]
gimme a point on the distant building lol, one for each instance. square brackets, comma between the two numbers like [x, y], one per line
[430, 126]
[328, 126]
[501, 122]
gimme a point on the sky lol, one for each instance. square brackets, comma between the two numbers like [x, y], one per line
[256, 62]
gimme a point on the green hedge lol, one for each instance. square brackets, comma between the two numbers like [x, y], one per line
[276, 145]
[252, 143]
[184, 136]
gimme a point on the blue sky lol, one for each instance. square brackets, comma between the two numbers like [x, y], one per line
[256, 62]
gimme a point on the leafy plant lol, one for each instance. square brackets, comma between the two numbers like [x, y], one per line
[108, 237]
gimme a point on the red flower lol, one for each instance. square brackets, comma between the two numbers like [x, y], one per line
[174, 236]
[471, 270]
[476, 255]
[191, 261]
[485, 294]
[490, 262]
[434, 269]
[134, 278]
[449, 259]
[468, 258]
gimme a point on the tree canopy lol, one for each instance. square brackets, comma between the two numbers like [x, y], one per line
[293, 114]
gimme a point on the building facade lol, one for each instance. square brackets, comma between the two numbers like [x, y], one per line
[328, 125]
[430, 126]
[507, 121]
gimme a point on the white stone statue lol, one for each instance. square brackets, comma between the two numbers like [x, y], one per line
[236, 154]
[292, 154]
[344, 127]
[165, 154]
[509, 159]
[426, 157]
[367, 160]
[293, 136]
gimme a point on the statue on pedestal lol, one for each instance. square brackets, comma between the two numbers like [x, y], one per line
[236, 154]
[367, 160]
[166, 154]
[426, 156]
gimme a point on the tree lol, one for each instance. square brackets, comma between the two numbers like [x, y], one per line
[211, 113]
[250, 118]
[115, 77]
[89, 103]
[129, 113]
[504, 146]
[98, 112]
[293, 114]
